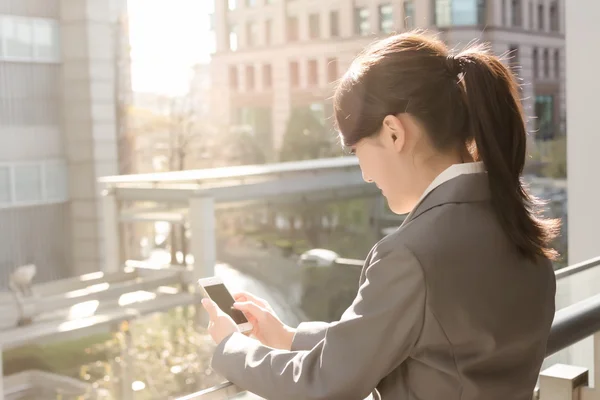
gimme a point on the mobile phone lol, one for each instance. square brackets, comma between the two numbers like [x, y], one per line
[214, 288]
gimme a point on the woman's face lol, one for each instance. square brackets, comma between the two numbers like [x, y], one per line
[386, 159]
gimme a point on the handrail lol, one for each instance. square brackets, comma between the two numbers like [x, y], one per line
[577, 268]
[571, 325]
[574, 323]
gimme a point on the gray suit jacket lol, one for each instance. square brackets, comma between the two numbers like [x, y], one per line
[447, 309]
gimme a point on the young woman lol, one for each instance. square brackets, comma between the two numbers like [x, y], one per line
[458, 302]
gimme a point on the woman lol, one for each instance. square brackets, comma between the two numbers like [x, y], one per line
[458, 302]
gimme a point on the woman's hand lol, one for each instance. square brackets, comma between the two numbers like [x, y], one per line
[266, 326]
[220, 325]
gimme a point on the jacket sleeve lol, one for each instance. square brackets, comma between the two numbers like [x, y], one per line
[374, 336]
[308, 335]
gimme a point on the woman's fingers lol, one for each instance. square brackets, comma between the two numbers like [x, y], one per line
[250, 297]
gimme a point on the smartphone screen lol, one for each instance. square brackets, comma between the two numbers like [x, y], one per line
[220, 295]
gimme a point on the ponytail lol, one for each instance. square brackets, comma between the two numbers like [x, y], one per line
[497, 125]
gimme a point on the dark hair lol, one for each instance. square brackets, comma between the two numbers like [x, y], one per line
[465, 100]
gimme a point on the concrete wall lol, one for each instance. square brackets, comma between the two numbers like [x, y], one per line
[583, 122]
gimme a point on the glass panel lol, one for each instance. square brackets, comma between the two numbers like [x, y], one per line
[464, 12]
[18, 36]
[362, 21]
[386, 18]
[46, 37]
[5, 185]
[28, 183]
[56, 182]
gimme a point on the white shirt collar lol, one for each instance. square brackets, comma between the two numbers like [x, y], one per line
[449, 173]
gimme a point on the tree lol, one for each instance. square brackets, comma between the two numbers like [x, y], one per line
[306, 138]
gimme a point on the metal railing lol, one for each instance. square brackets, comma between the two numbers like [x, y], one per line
[571, 325]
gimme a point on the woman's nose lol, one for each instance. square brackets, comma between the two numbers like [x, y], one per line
[366, 178]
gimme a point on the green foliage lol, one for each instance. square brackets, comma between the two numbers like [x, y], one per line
[306, 138]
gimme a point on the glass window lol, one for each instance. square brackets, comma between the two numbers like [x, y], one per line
[334, 24]
[546, 63]
[252, 33]
[516, 13]
[544, 112]
[314, 27]
[28, 183]
[233, 38]
[313, 73]
[294, 74]
[386, 18]
[536, 65]
[540, 17]
[554, 22]
[531, 16]
[232, 4]
[267, 76]
[332, 69]
[18, 37]
[250, 3]
[5, 196]
[557, 63]
[459, 12]
[56, 182]
[292, 29]
[268, 30]
[250, 77]
[409, 14]
[46, 38]
[361, 17]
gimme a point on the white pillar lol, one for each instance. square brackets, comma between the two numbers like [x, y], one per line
[111, 232]
[203, 244]
[583, 142]
[562, 382]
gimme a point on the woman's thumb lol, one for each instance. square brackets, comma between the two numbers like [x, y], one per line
[249, 307]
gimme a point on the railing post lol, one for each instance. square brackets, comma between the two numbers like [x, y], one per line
[562, 382]
[112, 237]
[203, 244]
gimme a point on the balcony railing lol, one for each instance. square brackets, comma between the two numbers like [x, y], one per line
[558, 382]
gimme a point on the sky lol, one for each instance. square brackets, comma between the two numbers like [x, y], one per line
[167, 38]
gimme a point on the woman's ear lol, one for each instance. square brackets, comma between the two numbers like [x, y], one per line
[393, 132]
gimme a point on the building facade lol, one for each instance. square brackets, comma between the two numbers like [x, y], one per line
[58, 123]
[275, 55]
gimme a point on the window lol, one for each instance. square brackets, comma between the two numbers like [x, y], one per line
[313, 73]
[503, 13]
[514, 61]
[409, 14]
[56, 181]
[294, 74]
[314, 28]
[233, 38]
[544, 112]
[46, 39]
[540, 17]
[554, 22]
[332, 69]
[334, 24]
[267, 76]
[35, 182]
[252, 34]
[361, 21]
[233, 78]
[29, 39]
[386, 18]
[250, 3]
[232, 4]
[250, 83]
[28, 183]
[536, 63]
[531, 16]
[457, 12]
[557, 63]
[546, 63]
[516, 13]
[268, 31]
[5, 190]
[292, 29]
